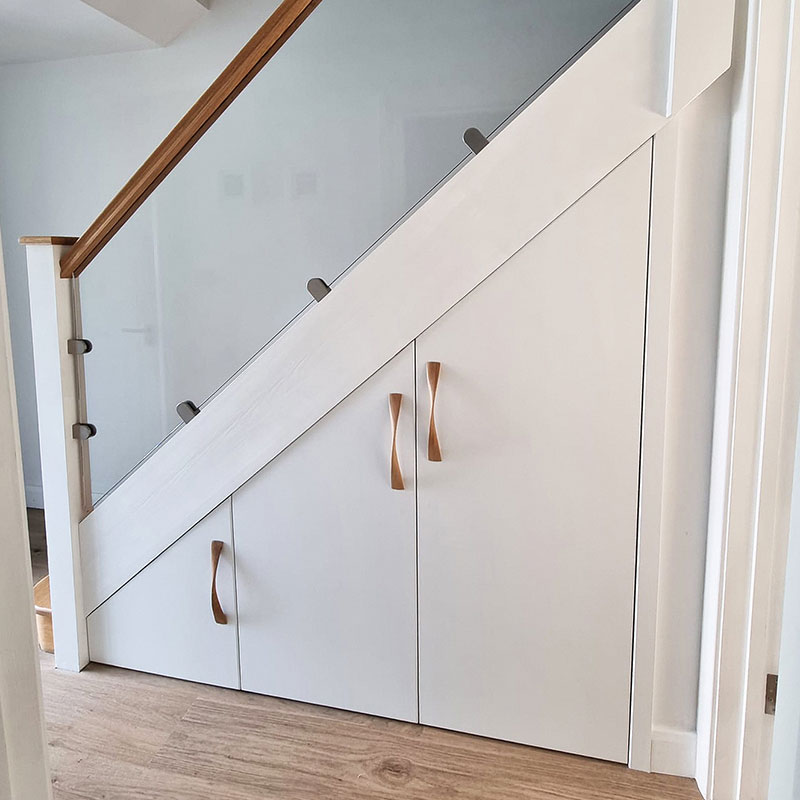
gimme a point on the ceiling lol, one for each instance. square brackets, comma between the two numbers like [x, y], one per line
[45, 30]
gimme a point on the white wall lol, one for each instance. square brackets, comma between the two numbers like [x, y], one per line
[358, 116]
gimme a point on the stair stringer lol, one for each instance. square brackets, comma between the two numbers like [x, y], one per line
[606, 105]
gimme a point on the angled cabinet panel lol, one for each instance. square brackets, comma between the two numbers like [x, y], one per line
[527, 524]
[162, 620]
[326, 558]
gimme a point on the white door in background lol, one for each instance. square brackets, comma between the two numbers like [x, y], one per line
[528, 525]
[161, 621]
[326, 559]
[121, 311]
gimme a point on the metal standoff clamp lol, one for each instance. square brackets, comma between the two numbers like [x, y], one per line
[318, 289]
[83, 430]
[475, 140]
[78, 347]
[187, 410]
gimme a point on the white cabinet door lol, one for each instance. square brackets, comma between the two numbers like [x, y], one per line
[326, 559]
[161, 621]
[528, 525]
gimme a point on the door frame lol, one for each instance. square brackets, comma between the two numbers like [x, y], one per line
[24, 769]
[758, 397]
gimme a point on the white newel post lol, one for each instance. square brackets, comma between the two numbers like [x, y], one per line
[64, 480]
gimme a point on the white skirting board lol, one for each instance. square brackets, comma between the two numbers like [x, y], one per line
[673, 752]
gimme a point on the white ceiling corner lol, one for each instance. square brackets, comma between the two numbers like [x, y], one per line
[160, 21]
[48, 30]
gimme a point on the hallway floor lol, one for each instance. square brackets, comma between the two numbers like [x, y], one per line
[120, 735]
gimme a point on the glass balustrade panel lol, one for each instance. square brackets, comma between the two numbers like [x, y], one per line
[358, 117]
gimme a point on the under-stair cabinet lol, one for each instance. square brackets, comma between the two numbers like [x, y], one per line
[454, 543]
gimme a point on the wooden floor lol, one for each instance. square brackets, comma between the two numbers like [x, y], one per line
[116, 735]
[120, 735]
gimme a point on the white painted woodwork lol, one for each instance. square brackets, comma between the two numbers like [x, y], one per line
[326, 559]
[597, 113]
[775, 642]
[662, 229]
[673, 751]
[755, 411]
[161, 21]
[24, 773]
[784, 759]
[161, 620]
[697, 57]
[57, 400]
[528, 526]
[686, 244]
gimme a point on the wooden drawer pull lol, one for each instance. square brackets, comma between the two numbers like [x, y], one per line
[395, 401]
[216, 608]
[433, 368]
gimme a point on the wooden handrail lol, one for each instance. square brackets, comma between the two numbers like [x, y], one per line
[51, 240]
[226, 88]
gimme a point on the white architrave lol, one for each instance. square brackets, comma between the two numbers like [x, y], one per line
[58, 404]
[758, 393]
[23, 750]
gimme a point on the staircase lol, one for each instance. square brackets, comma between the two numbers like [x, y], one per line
[573, 161]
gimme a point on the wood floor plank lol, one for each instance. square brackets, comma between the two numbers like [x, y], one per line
[127, 720]
[292, 750]
[64, 794]
[121, 735]
[101, 778]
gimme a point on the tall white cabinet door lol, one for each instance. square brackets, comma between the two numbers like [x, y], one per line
[528, 525]
[326, 559]
[161, 621]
